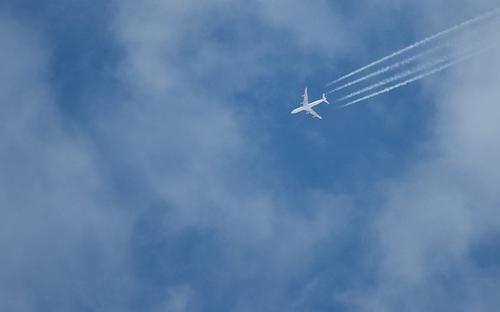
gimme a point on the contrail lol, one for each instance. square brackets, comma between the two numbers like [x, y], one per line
[418, 77]
[397, 77]
[389, 68]
[455, 28]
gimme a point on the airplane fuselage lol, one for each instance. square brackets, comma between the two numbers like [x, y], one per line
[305, 107]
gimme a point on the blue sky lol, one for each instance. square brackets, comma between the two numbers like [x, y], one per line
[149, 161]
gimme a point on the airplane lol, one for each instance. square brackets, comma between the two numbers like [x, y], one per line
[308, 107]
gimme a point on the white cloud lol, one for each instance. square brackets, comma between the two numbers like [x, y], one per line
[197, 154]
[62, 244]
[437, 214]
[174, 131]
[205, 175]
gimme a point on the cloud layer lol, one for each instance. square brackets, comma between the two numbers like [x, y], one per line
[168, 196]
[64, 242]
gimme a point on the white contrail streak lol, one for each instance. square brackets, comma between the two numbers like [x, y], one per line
[416, 78]
[388, 68]
[455, 28]
[424, 67]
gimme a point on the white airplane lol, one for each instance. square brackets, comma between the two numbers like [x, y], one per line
[308, 107]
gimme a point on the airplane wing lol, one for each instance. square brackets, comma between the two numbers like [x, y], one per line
[306, 97]
[313, 113]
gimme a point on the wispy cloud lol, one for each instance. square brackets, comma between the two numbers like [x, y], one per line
[63, 243]
[429, 235]
[172, 200]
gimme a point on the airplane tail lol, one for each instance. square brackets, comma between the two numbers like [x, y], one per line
[325, 100]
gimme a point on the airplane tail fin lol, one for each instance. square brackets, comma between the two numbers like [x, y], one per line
[325, 100]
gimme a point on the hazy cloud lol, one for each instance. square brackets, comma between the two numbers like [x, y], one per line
[171, 201]
[63, 242]
[440, 215]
